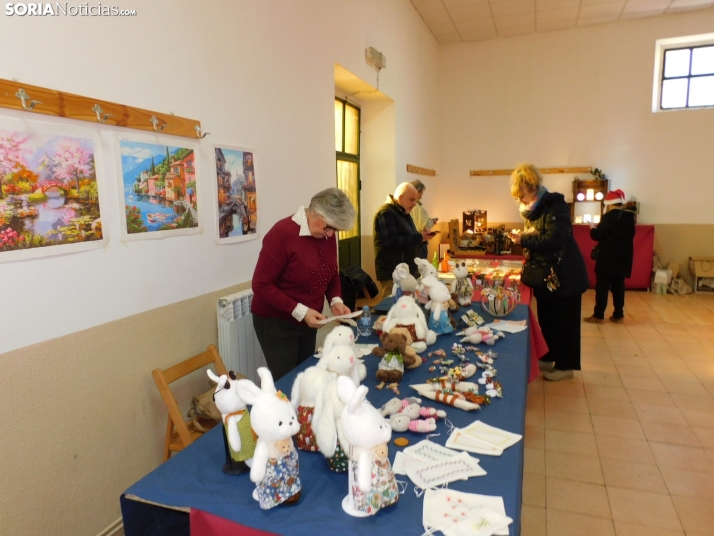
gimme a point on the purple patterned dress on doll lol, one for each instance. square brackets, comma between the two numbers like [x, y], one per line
[384, 491]
[282, 480]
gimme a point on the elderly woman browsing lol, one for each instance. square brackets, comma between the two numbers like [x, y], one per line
[296, 271]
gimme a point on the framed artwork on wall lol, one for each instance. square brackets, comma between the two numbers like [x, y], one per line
[236, 194]
[51, 198]
[157, 187]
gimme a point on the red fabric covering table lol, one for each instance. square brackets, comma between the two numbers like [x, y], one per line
[641, 262]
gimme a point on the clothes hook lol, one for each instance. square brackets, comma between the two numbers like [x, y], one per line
[23, 96]
[98, 110]
[155, 122]
[197, 128]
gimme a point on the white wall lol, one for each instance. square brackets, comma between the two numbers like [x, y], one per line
[579, 97]
[257, 74]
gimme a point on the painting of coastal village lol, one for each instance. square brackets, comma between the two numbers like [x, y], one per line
[237, 199]
[159, 187]
[48, 193]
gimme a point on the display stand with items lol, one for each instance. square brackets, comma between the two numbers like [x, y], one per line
[588, 197]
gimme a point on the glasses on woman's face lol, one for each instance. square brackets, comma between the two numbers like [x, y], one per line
[328, 228]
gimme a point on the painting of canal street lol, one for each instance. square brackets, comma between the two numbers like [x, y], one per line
[49, 198]
[159, 189]
[237, 199]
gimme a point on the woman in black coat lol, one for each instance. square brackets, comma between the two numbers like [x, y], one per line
[614, 236]
[547, 236]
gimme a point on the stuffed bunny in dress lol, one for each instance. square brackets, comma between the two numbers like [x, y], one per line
[275, 469]
[306, 395]
[238, 436]
[425, 268]
[372, 485]
[438, 304]
[462, 286]
[407, 314]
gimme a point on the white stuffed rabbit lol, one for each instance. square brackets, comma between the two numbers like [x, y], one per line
[344, 336]
[238, 438]
[275, 469]
[406, 313]
[307, 393]
[425, 268]
[438, 304]
[462, 285]
[372, 485]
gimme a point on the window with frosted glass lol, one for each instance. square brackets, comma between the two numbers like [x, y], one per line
[688, 77]
[348, 182]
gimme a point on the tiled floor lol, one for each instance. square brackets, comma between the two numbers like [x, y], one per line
[626, 448]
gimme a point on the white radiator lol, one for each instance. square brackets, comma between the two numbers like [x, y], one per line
[237, 343]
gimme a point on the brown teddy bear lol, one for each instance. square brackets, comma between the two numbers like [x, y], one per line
[396, 354]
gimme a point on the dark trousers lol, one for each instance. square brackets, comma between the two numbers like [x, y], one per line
[284, 344]
[605, 284]
[559, 320]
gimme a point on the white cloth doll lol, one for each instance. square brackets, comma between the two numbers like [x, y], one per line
[275, 469]
[372, 485]
[238, 437]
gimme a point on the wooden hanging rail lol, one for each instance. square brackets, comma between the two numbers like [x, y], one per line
[544, 171]
[421, 171]
[35, 99]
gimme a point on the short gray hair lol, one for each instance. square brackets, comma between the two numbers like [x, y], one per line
[418, 185]
[335, 208]
[403, 187]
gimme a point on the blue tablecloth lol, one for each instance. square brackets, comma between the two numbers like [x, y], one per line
[193, 479]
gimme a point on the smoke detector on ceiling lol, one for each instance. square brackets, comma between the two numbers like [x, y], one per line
[376, 58]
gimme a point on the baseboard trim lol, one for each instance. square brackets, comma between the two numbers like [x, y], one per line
[113, 529]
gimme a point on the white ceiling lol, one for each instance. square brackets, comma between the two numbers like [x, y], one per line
[453, 21]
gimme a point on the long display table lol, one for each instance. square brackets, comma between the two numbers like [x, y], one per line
[192, 481]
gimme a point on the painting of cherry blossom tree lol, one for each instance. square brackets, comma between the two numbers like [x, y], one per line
[49, 197]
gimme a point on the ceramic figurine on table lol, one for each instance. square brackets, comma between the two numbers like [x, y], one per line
[462, 286]
[372, 485]
[238, 437]
[275, 469]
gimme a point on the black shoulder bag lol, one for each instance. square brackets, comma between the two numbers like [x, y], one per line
[543, 274]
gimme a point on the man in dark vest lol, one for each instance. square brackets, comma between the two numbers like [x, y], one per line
[396, 239]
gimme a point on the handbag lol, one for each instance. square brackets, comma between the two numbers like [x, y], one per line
[203, 408]
[594, 251]
[542, 274]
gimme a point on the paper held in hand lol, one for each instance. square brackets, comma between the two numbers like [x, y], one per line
[341, 317]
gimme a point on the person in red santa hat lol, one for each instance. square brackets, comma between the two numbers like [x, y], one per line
[614, 236]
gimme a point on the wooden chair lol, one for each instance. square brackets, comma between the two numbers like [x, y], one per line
[370, 301]
[181, 433]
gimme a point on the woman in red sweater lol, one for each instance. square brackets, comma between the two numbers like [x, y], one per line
[296, 271]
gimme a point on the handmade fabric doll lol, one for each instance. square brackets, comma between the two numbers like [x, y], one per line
[462, 286]
[372, 485]
[439, 305]
[406, 415]
[344, 336]
[396, 354]
[404, 283]
[425, 268]
[275, 469]
[238, 437]
[306, 395]
[406, 313]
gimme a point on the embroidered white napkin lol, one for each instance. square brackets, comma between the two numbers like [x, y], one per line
[428, 451]
[490, 434]
[459, 467]
[443, 508]
[459, 440]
